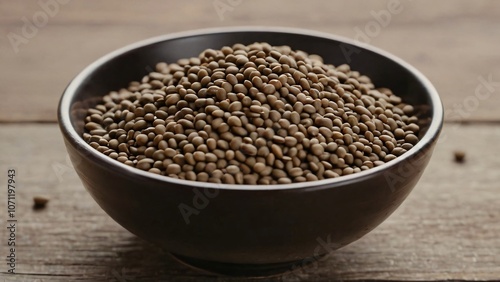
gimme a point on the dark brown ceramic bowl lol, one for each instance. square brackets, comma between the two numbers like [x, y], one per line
[246, 225]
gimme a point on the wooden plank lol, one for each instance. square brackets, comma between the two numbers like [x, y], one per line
[452, 42]
[446, 230]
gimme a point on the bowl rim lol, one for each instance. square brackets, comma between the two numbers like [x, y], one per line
[69, 132]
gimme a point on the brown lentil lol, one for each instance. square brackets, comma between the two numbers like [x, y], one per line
[40, 202]
[253, 114]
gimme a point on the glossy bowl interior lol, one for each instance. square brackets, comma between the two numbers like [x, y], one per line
[245, 225]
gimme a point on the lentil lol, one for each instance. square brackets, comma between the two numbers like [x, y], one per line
[256, 114]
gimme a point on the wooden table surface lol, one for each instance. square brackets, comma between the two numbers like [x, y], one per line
[448, 228]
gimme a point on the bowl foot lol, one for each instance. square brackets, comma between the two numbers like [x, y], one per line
[234, 269]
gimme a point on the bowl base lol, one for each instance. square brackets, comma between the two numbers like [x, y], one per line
[235, 269]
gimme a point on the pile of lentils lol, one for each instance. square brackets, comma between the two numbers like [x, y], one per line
[255, 114]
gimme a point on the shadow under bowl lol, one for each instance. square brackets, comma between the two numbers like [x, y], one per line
[247, 226]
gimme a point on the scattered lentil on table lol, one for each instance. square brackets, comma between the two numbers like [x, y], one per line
[40, 202]
[459, 156]
[255, 114]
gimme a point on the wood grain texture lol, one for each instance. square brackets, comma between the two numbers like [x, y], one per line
[448, 228]
[452, 42]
